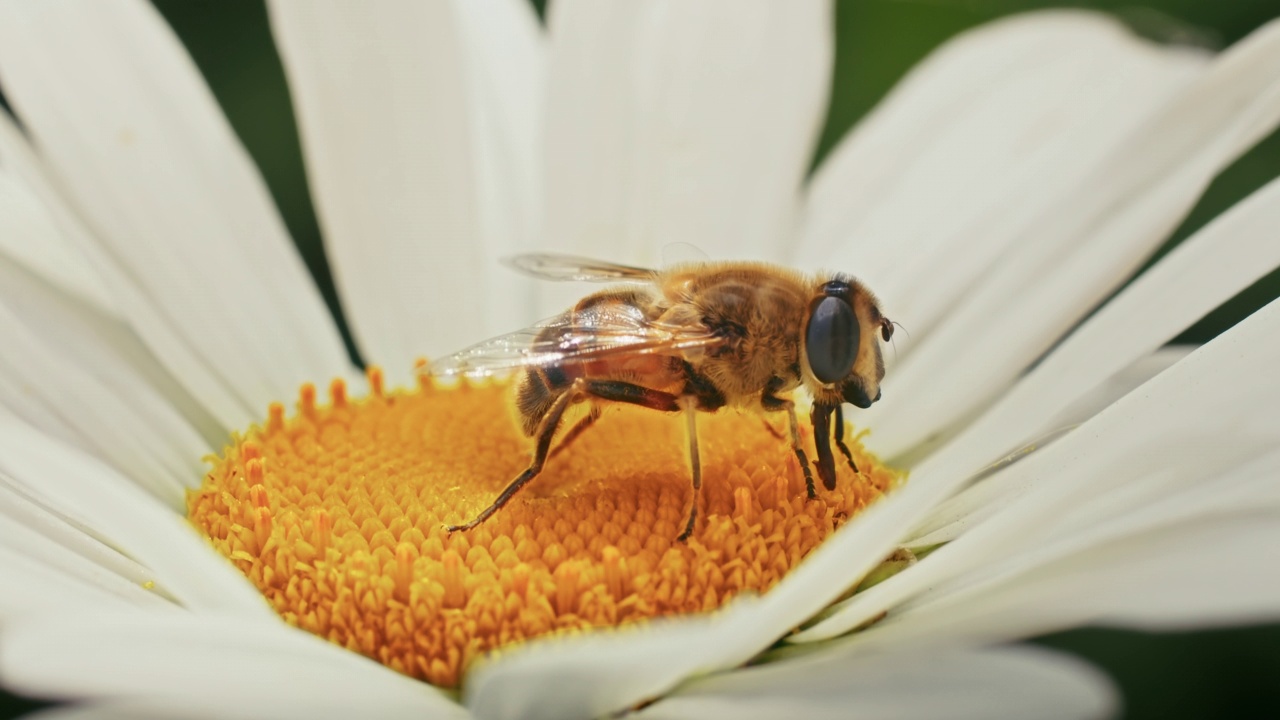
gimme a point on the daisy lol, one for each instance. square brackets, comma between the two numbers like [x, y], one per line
[1063, 468]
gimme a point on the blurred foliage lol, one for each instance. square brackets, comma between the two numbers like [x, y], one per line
[1225, 673]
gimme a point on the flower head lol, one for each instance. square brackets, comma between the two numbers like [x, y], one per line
[158, 317]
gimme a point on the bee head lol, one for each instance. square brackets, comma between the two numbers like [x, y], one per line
[840, 341]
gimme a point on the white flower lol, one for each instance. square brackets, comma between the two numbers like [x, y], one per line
[151, 303]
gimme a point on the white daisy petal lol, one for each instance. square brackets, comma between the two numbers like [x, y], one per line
[35, 213]
[24, 195]
[972, 505]
[98, 418]
[990, 130]
[1136, 511]
[1084, 246]
[33, 585]
[677, 122]
[1119, 534]
[1173, 578]
[1202, 417]
[22, 510]
[80, 487]
[216, 666]
[1204, 271]
[609, 671]
[988, 683]
[35, 547]
[1117, 386]
[174, 425]
[506, 69]
[415, 122]
[77, 372]
[135, 139]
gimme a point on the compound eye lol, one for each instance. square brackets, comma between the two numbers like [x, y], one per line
[831, 340]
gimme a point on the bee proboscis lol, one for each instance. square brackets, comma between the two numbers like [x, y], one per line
[693, 338]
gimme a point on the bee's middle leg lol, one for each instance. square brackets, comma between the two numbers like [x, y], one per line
[618, 391]
[695, 464]
[576, 431]
[776, 404]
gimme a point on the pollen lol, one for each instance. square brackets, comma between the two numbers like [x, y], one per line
[337, 513]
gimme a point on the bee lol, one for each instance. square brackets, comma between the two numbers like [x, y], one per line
[693, 338]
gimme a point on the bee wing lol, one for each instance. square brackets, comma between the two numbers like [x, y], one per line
[594, 334]
[553, 266]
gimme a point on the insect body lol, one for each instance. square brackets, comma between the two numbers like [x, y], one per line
[691, 339]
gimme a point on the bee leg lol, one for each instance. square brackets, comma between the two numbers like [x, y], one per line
[695, 464]
[546, 430]
[775, 404]
[578, 428]
[619, 391]
[839, 435]
[826, 462]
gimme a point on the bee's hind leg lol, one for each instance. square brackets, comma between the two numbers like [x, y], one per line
[546, 430]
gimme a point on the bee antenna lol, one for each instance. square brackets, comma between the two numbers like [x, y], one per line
[900, 327]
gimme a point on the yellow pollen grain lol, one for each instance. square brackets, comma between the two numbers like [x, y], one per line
[337, 515]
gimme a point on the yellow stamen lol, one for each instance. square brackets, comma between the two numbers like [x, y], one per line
[337, 514]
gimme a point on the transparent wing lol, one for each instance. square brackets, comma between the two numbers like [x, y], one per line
[552, 266]
[598, 333]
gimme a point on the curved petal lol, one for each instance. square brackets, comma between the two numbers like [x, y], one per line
[199, 259]
[32, 585]
[119, 417]
[682, 122]
[609, 671]
[1204, 271]
[40, 531]
[20, 543]
[1122, 558]
[24, 191]
[419, 123]
[1083, 246]
[214, 666]
[72, 369]
[1176, 577]
[87, 324]
[115, 510]
[992, 128]
[1015, 682]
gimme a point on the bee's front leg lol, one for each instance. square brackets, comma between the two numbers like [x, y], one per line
[821, 418]
[839, 435]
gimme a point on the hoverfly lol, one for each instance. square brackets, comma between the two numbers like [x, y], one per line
[693, 338]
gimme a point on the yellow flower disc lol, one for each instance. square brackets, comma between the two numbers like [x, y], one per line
[337, 514]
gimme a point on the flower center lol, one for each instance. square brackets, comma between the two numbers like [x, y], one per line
[337, 515]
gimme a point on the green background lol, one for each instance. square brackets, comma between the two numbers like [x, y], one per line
[1223, 673]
